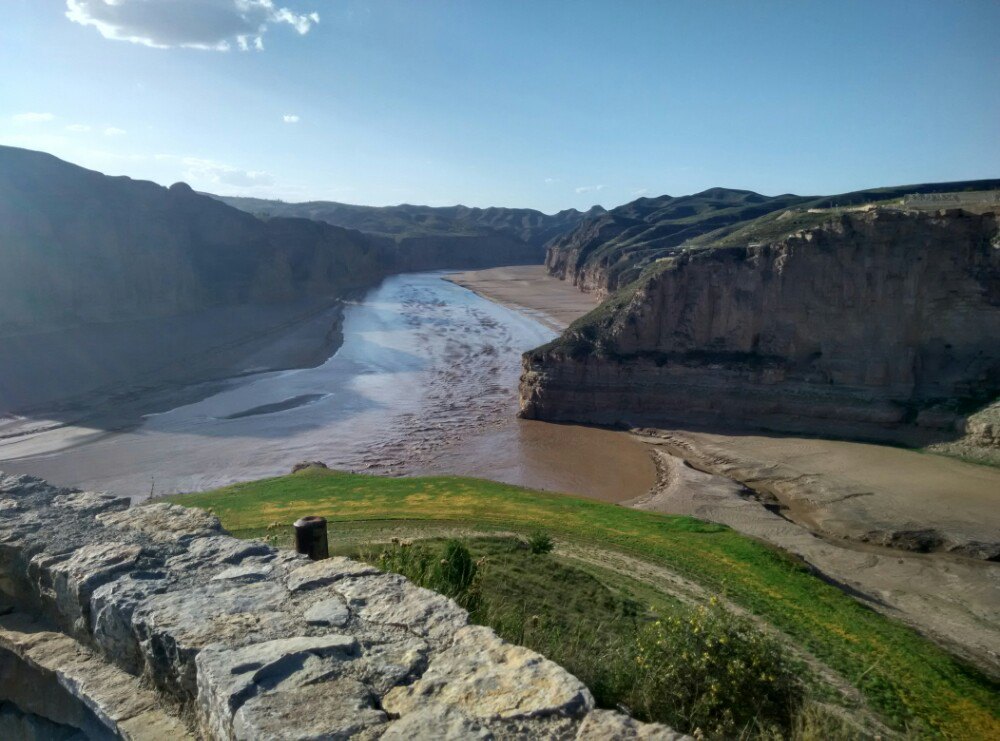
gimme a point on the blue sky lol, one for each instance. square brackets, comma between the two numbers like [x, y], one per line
[513, 103]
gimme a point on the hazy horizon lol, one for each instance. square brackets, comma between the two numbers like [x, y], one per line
[544, 106]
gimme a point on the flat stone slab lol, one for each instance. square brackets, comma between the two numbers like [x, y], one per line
[332, 612]
[57, 676]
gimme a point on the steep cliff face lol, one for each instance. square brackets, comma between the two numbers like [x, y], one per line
[608, 251]
[870, 324]
[80, 247]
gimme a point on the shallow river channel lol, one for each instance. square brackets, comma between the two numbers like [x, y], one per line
[424, 382]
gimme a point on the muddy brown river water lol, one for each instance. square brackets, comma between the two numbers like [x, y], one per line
[424, 382]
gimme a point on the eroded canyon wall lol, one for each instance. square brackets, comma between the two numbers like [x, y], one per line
[876, 324]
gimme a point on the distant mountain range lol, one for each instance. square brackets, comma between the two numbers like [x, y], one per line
[406, 221]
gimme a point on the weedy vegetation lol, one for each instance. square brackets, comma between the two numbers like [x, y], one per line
[601, 623]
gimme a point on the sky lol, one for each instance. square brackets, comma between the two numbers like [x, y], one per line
[528, 103]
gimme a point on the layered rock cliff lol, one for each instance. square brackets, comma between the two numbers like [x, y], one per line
[609, 250]
[875, 324]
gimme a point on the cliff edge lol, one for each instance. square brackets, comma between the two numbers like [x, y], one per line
[879, 324]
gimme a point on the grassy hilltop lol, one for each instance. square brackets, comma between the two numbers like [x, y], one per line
[616, 567]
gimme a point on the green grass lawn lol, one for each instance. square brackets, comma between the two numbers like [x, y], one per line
[908, 680]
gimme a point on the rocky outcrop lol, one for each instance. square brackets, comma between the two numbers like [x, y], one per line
[239, 640]
[875, 324]
[607, 251]
[610, 250]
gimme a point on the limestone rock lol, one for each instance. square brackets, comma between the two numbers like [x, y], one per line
[229, 678]
[340, 708]
[486, 678]
[601, 725]
[390, 599]
[437, 722]
[321, 573]
[332, 612]
[164, 522]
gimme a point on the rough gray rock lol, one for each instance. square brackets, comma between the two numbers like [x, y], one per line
[248, 642]
[601, 725]
[332, 612]
[487, 678]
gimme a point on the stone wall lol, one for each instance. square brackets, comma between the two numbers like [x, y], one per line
[152, 622]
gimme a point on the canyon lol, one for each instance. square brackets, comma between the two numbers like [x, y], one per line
[877, 325]
[157, 340]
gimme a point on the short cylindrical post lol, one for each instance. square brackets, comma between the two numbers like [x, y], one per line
[310, 537]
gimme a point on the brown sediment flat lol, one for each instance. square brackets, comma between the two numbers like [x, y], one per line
[531, 290]
[954, 600]
[861, 491]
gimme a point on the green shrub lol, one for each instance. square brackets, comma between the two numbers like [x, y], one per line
[717, 672]
[451, 572]
[541, 542]
[456, 570]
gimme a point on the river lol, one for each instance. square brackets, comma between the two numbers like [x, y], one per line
[424, 382]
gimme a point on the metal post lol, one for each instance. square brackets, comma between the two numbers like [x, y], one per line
[310, 537]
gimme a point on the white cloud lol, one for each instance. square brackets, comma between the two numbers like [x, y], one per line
[22, 118]
[193, 24]
[212, 172]
[290, 118]
[114, 131]
[590, 188]
[640, 192]
[550, 181]
[78, 128]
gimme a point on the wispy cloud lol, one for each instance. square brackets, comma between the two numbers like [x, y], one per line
[78, 128]
[31, 117]
[290, 118]
[640, 192]
[550, 181]
[194, 24]
[114, 131]
[590, 188]
[208, 171]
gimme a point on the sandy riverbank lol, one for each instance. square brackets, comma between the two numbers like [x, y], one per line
[953, 600]
[530, 290]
